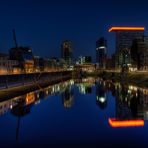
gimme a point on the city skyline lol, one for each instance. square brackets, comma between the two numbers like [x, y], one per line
[44, 25]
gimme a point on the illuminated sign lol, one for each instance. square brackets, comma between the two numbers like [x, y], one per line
[125, 123]
[126, 29]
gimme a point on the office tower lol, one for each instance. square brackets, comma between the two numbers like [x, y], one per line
[139, 53]
[101, 47]
[124, 39]
[66, 50]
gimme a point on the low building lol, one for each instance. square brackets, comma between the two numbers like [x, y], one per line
[25, 57]
[8, 66]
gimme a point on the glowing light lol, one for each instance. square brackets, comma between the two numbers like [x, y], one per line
[102, 99]
[125, 123]
[126, 29]
[102, 47]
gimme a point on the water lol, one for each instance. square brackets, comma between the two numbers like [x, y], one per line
[77, 112]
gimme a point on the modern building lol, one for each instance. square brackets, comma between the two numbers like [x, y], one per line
[101, 53]
[66, 52]
[124, 39]
[84, 60]
[139, 53]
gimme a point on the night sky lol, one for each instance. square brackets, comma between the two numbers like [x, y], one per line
[44, 24]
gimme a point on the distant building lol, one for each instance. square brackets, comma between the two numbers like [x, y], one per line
[124, 39]
[66, 52]
[84, 60]
[44, 64]
[110, 62]
[25, 57]
[36, 64]
[101, 47]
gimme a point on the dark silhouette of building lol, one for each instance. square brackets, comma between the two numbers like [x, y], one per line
[25, 57]
[101, 53]
[23, 54]
[139, 53]
[66, 52]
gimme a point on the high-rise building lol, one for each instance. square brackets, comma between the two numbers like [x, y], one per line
[101, 47]
[124, 39]
[139, 53]
[66, 51]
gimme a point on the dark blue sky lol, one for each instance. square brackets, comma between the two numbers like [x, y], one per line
[44, 24]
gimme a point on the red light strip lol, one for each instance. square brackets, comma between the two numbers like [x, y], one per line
[125, 123]
[126, 29]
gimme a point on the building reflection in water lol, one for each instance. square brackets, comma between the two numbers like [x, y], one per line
[68, 97]
[131, 106]
[85, 85]
[21, 106]
[131, 103]
[101, 98]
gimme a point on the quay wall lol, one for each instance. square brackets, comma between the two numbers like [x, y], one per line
[10, 81]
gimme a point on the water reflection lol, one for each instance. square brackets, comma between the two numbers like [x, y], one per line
[68, 97]
[131, 102]
[101, 98]
[22, 108]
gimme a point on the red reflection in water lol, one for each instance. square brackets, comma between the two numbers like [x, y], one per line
[125, 123]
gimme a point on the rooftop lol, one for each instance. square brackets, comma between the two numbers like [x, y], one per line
[126, 29]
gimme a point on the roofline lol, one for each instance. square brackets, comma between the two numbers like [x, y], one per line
[118, 28]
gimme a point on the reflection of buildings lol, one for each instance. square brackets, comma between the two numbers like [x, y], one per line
[32, 98]
[131, 106]
[6, 106]
[101, 99]
[68, 98]
[85, 88]
[23, 108]
[85, 85]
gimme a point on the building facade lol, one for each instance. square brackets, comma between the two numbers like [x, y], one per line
[139, 53]
[66, 52]
[101, 52]
[124, 39]
[8, 66]
[25, 57]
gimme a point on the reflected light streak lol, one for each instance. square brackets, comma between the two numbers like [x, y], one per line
[125, 123]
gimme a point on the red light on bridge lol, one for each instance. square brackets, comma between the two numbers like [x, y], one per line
[125, 123]
[126, 29]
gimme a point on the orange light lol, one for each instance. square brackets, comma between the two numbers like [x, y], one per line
[126, 29]
[125, 123]
[30, 98]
